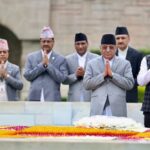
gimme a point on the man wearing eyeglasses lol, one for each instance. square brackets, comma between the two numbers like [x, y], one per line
[76, 64]
[45, 69]
[10, 79]
[108, 76]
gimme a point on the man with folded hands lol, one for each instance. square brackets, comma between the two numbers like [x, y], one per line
[45, 70]
[76, 64]
[10, 78]
[108, 76]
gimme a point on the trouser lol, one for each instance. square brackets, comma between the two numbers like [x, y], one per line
[147, 119]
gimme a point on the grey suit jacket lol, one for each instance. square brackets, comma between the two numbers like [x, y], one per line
[114, 88]
[13, 82]
[76, 89]
[48, 79]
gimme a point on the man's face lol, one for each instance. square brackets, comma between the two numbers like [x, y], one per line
[3, 55]
[108, 51]
[47, 44]
[81, 47]
[122, 41]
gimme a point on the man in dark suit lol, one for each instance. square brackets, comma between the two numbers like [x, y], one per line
[132, 55]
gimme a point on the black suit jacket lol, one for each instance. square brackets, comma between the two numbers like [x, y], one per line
[135, 58]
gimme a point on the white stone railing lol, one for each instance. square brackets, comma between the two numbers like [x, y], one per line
[52, 113]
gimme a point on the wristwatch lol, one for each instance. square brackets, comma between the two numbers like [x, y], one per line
[7, 75]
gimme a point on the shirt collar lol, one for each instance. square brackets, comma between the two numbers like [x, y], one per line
[83, 56]
[109, 60]
[123, 51]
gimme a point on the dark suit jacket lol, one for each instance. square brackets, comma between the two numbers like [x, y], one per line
[135, 58]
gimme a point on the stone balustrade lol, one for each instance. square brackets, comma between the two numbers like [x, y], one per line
[52, 113]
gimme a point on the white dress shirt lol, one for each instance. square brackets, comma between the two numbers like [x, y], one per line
[122, 53]
[143, 77]
[82, 60]
[3, 92]
[42, 91]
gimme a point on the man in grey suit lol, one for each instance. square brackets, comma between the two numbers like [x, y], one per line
[45, 70]
[10, 79]
[108, 76]
[76, 64]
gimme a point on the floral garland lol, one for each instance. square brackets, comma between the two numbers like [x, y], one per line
[143, 135]
[57, 131]
[72, 131]
[65, 131]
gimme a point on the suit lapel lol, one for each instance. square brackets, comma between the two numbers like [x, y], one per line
[52, 57]
[9, 68]
[114, 64]
[87, 59]
[101, 64]
[39, 57]
[76, 61]
[129, 54]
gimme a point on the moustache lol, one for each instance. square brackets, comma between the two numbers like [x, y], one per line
[46, 46]
[120, 43]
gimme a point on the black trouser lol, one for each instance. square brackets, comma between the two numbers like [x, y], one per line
[147, 119]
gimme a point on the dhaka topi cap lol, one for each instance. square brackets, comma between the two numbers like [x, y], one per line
[121, 30]
[46, 32]
[108, 39]
[80, 37]
[3, 45]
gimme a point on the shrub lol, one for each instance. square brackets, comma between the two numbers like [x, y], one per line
[145, 51]
[141, 90]
[64, 99]
[95, 51]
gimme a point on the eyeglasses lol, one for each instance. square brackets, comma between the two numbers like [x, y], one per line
[4, 52]
[108, 47]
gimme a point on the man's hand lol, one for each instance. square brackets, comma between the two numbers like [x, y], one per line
[107, 70]
[80, 73]
[45, 60]
[3, 71]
